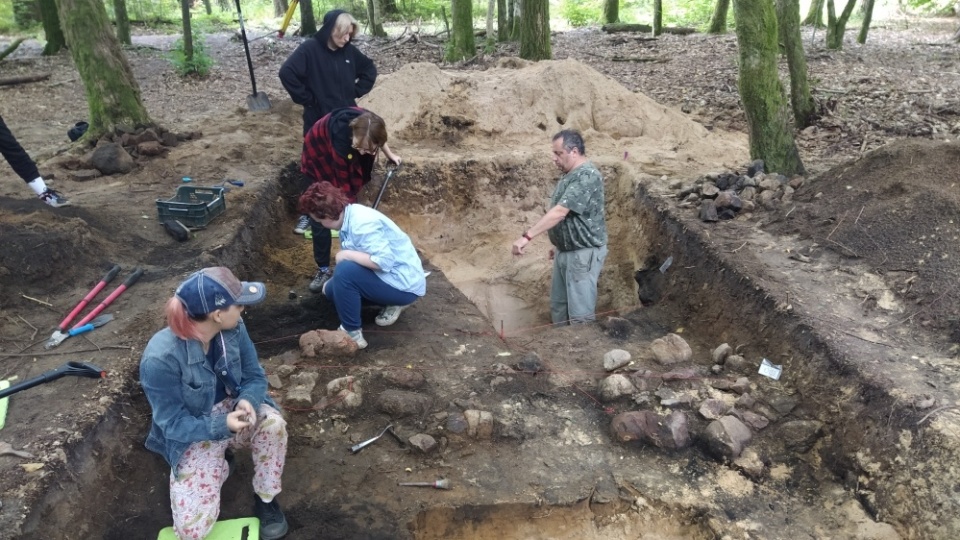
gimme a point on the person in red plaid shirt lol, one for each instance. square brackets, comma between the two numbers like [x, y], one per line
[341, 149]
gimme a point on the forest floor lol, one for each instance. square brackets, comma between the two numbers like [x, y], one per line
[865, 259]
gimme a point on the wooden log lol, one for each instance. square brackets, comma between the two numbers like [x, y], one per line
[10, 81]
[12, 47]
[614, 28]
[679, 31]
[640, 59]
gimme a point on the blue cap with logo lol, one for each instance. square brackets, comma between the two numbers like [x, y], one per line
[210, 289]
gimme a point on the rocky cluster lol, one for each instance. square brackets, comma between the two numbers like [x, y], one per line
[730, 195]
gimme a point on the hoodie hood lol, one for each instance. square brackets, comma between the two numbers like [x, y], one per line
[329, 20]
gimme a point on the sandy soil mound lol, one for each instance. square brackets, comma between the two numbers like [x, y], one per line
[518, 104]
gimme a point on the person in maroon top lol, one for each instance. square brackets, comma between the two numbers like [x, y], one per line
[341, 148]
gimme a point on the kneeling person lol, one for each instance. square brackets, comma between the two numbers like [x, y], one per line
[376, 262]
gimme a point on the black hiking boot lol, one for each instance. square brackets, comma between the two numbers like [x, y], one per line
[273, 524]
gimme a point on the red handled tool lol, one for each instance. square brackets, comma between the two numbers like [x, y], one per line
[89, 323]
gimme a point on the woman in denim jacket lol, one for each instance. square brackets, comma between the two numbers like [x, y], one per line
[208, 394]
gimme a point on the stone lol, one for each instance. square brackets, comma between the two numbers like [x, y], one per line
[708, 211]
[745, 401]
[726, 437]
[782, 403]
[111, 158]
[671, 349]
[713, 409]
[647, 426]
[615, 359]
[152, 148]
[721, 353]
[614, 386]
[735, 362]
[645, 380]
[84, 175]
[170, 139]
[317, 343]
[741, 386]
[768, 200]
[530, 363]
[796, 182]
[768, 184]
[285, 370]
[456, 423]
[479, 424]
[757, 166]
[728, 199]
[300, 394]
[423, 442]
[754, 420]
[404, 378]
[750, 464]
[670, 398]
[747, 194]
[617, 327]
[800, 435]
[709, 190]
[274, 381]
[401, 403]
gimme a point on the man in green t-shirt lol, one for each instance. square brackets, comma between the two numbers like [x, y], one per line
[577, 229]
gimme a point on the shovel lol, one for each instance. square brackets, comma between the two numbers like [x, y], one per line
[257, 101]
[383, 187]
[58, 337]
[77, 369]
[360, 446]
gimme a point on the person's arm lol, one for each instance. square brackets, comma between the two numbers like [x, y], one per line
[359, 257]
[366, 74]
[368, 246]
[293, 75]
[390, 155]
[161, 380]
[549, 220]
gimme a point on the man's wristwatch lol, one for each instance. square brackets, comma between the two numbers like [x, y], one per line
[527, 236]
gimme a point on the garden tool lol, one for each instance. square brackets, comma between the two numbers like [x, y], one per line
[439, 484]
[286, 18]
[257, 101]
[360, 446]
[77, 369]
[59, 337]
[383, 187]
[60, 332]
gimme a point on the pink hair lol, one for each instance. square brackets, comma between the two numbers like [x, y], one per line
[180, 322]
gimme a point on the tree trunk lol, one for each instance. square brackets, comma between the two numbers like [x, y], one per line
[788, 19]
[462, 44]
[26, 13]
[491, 10]
[308, 22]
[51, 28]
[207, 7]
[113, 95]
[280, 8]
[865, 25]
[123, 21]
[815, 14]
[389, 8]
[513, 19]
[225, 5]
[376, 29]
[187, 31]
[535, 30]
[836, 26]
[503, 32]
[657, 17]
[761, 93]
[718, 24]
[611, 11]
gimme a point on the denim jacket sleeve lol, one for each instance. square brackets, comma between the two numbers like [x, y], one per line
[174, 392]
[253, 381]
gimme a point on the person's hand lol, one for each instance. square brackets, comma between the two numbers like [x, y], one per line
[395, 159]
[519, 246]
[242, 417]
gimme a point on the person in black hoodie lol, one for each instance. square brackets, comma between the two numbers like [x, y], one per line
[327, 72]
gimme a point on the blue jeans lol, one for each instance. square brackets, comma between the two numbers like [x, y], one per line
[352, 283]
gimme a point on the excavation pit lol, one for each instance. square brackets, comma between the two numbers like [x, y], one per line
[856, 439]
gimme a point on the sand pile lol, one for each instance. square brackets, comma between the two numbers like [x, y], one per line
[519, 104]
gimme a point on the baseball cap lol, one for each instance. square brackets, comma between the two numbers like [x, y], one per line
[210, 289]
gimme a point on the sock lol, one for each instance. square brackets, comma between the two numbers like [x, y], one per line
[325, 269]
[38, 185]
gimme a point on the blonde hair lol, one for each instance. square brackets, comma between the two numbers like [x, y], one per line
[346, 24]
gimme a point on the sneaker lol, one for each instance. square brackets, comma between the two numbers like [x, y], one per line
[273, 524]
[54, 198]
[389, 315]
[303, 225]
[356, 335]
[320, 279]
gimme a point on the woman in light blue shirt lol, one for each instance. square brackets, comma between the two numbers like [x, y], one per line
[376, 262]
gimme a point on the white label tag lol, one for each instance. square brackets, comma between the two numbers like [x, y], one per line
[768, 369]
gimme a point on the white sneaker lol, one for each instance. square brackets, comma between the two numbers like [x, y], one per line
[356, 336]
[54, 198]
[389, 315]
[303, 223]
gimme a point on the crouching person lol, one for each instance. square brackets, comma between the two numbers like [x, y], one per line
[208, 395]
[376, 262]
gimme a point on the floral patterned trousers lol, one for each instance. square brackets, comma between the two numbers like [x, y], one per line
[202, 470]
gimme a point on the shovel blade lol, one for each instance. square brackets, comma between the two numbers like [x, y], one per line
[258, 102]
